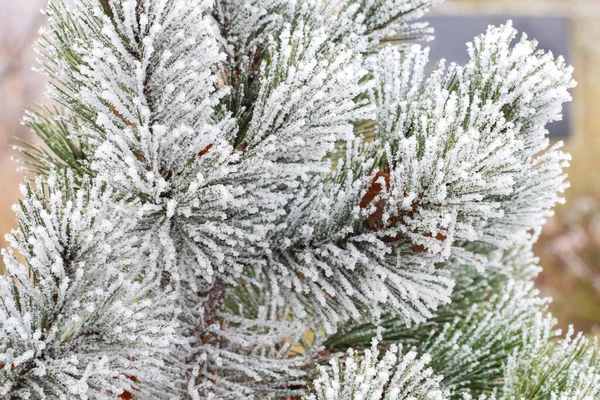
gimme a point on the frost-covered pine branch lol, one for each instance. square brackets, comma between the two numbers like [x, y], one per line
[233, 193]
[77, 316]
[394, 377]
[495, 341]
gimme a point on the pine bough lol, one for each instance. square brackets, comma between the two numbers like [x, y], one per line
[233, 193]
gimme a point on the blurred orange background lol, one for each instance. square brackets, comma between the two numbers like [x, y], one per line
[570, 243]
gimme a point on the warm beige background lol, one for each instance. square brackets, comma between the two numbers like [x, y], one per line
[19, 86]
[570, 245]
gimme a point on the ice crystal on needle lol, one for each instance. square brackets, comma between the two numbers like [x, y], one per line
[235, 192]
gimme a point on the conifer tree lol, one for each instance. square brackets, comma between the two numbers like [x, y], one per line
[278, 199]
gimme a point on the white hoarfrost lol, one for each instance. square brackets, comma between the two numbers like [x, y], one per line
[79, 316]
[467, 145]
[244, 177]
[395, 376]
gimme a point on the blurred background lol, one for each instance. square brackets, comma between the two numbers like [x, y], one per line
[569, 247]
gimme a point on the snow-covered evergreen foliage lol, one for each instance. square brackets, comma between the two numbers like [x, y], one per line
[76, 318]
[394, 377]
[233, 193]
